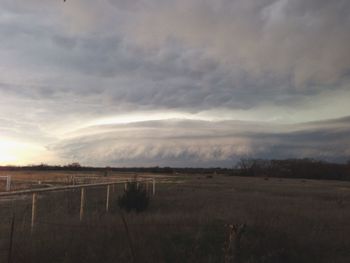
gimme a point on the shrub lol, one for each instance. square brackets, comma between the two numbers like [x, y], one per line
[135, 197]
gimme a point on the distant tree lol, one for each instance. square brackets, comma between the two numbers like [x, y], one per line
[106, 171]
[246, 166]
[74, 166]
[43, 165]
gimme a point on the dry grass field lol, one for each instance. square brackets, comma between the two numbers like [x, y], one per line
[287, 220]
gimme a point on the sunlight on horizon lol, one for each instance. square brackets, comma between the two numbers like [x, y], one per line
[18, 153]
[7, 152]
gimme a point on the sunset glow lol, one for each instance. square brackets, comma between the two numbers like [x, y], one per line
[9, 152]
[19, 153]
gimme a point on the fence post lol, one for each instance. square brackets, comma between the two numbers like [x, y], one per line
[154, 186]
[107, 198]
[82, 203]
[8, 183]
[33, 212]
[9, 256]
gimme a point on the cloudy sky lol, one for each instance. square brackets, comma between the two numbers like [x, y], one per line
[173, 82]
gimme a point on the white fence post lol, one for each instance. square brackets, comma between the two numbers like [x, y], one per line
[107, 198]
[82, 196]
[33, 212]
[82, 203]
[8, 183]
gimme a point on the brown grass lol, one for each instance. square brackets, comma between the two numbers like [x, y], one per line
[288, 220]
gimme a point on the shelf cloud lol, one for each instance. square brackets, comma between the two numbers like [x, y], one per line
[217, 67]
[203, 143]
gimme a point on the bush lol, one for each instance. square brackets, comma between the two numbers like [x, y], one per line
[135, 198]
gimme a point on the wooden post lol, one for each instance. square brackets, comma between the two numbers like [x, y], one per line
[107, 198]
[8, 183]
[9, 256]
[33, 212]
[154, 186]
[82, 203]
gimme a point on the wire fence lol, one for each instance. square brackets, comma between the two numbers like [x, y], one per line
[58, 226]
[32, 211]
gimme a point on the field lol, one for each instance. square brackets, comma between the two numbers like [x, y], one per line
[287, 220]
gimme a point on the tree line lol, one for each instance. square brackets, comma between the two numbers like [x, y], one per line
[294, 168]
[287, 168]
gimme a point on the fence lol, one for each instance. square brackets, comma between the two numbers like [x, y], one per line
[24, 239]
[34, 193]
[33, 209]
[8, 181]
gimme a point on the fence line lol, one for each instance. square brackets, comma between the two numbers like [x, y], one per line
[82, 187]
[67, 187]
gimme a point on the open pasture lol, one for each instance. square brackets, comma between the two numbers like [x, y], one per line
[287, 220]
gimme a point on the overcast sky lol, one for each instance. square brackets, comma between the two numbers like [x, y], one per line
[173, 82]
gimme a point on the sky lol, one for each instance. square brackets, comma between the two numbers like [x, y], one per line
[173, 83]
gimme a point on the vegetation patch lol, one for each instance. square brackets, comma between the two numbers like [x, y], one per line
[134, 198]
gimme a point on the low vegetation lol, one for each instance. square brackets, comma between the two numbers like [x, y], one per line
[134, 198]
[293, 168]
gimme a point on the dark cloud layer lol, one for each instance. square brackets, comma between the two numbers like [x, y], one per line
[199, 143]
[235, 54]
[67, 65]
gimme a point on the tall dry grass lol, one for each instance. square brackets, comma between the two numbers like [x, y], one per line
[286, 221]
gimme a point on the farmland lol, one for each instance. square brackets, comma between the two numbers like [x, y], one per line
[287, 220]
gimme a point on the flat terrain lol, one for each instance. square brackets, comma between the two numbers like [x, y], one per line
[287, 220]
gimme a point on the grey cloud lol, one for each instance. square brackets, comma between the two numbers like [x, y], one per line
[298, 39]
[201, 143]
[227, 54]
[66, 64]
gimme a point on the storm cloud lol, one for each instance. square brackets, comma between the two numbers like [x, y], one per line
[203, 143]
[242, 77]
